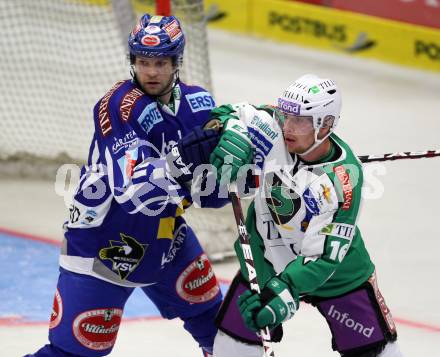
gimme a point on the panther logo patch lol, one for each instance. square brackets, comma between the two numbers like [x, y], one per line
[125, 254]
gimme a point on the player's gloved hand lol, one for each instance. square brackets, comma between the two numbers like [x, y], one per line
[234, 150]
[191, 151]
[248, 303]
[220, 115]
[276, 303]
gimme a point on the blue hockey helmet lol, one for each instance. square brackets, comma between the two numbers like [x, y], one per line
[157, 36]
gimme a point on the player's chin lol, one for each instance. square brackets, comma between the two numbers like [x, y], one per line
[292, 146]
[152, 89]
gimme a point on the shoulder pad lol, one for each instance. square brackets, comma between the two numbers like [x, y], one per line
[270, 109]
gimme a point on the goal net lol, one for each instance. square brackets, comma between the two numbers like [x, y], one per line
[58, 58]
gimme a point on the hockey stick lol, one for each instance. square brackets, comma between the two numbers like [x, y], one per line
[249, 259]
[400, 156]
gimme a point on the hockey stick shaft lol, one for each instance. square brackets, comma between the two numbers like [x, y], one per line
[400, 156]
[249, 259]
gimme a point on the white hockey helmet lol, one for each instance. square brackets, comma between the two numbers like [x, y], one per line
[312, 96]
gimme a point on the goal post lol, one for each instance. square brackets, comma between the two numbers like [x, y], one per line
[163, 7]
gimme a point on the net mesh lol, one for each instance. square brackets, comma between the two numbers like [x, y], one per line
[59, 57]
[196, 68]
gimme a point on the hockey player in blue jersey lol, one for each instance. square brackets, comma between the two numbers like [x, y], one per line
[126, 228]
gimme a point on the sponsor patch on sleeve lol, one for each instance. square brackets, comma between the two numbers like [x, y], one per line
[310, 201]
[262, 146]
[346, 186]
[200, 101]
[321, 196]
[341, 230]
[104, 112]
[127, 163]
[128, 102]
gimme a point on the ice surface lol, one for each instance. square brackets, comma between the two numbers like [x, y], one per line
[385, 109]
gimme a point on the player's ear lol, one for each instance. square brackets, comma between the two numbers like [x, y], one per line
[328, 124]
[328, 121]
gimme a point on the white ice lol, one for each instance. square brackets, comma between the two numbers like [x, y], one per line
[385, 109]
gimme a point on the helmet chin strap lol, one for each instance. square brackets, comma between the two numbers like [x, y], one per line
[316, 143]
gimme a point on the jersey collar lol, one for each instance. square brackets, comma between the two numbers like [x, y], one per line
[173, 106]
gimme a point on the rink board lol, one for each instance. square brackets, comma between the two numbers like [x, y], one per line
[332, 30]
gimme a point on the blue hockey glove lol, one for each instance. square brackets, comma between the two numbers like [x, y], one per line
[191, 151]
[276, 304]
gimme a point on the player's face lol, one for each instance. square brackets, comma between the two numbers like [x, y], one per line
[298, 131]
[154, 74]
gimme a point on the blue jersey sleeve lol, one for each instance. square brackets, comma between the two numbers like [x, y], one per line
[138, 180]
[145, 187]
[92, 198]
[207, 193]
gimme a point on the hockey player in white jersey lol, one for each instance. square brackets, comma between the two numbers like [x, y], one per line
[302, 225]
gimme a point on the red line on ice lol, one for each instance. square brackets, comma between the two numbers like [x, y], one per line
[16, 321]
[29, 236]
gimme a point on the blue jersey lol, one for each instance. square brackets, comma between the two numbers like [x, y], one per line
[126, 222]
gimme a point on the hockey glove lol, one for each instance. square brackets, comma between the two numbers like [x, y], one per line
[220, 115]
[249, 303]
[233, 151]
[191, 151]
[274, 305]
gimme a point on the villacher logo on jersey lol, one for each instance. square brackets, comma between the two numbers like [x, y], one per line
[344, 318]
[197, 283]
[97, 329]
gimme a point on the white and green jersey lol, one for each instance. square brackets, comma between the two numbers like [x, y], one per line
[304, 214]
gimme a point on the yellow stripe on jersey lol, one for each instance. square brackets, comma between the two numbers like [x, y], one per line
[166, 228]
